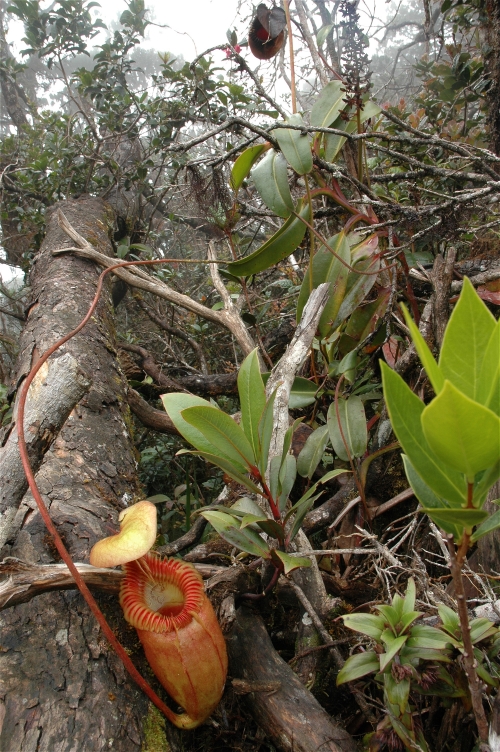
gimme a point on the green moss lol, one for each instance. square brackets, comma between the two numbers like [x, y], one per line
[155, 739]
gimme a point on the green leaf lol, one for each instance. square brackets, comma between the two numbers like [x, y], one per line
[357, 288]
[391, 616]
[405, 411]
[252, 395]
[244, 164]
[271, 180]
[397, 692]
[295, 146]
[334, 143]
[462, 433]
[409, 599]
[246, 540]
[222, 431]
[394, 644]
[466, 518]
[328, 104]
[368, 624]
[245, 506]
[465, 341]
[312, 452]
[450, 619]
[174, 403]
[303, 392]
[327, 268]
[322, 34]
[229, 469]
[357, 666]
[284, 242]
[265, 432]
[290, 562]
[423, 636]
[488, 387]
[492, 523]
[431, 367]
[300, 512]
[287, 475]
[480, 629]
[353, 422]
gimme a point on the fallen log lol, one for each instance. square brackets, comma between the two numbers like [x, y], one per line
[289, 715]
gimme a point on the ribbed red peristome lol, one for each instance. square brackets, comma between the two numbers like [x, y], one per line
[156, 570]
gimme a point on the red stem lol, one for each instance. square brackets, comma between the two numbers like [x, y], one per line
[82, 587]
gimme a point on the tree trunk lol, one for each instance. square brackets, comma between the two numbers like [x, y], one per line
[61, 687]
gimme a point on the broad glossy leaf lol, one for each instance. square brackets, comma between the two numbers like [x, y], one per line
[492, 523]
[290, 562]
[467, 518]
[465, 341]
[323, 33]
[246, 540]
[271, 180]
[368, 624]
[175, 403]
[274, 475]
[488, 387]
[431, 367]
[484, 483]
[229, 469]
[327, 268]
[284, 242]
[462, 433]
[295, 146]
[244, 164]
[252, 395]
[353, 421]
[357, 288]
[245, 505]
[405, 411]
[221, 431]
[312, 452]
[287, 441]
[357, 666]
[329, 103]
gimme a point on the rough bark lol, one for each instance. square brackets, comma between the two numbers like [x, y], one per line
[291, 716]
[54, 393]
[61, 687]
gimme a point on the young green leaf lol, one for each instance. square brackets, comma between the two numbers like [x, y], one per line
[465, 341]
[289, 562]
[174, 403]
[312, 452]
[431, 367]
[357, 666]
[300, 513]
[271, 180]
[409, 599]
[295, 146]
[244, 164]
[393, 646]
[368, 624]
[279, 246]
[450, 619]
[398, 692]
[353, 422]
[405, 411]
[462, 433]
[252, 399]
[221, 431]
[488, 387]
